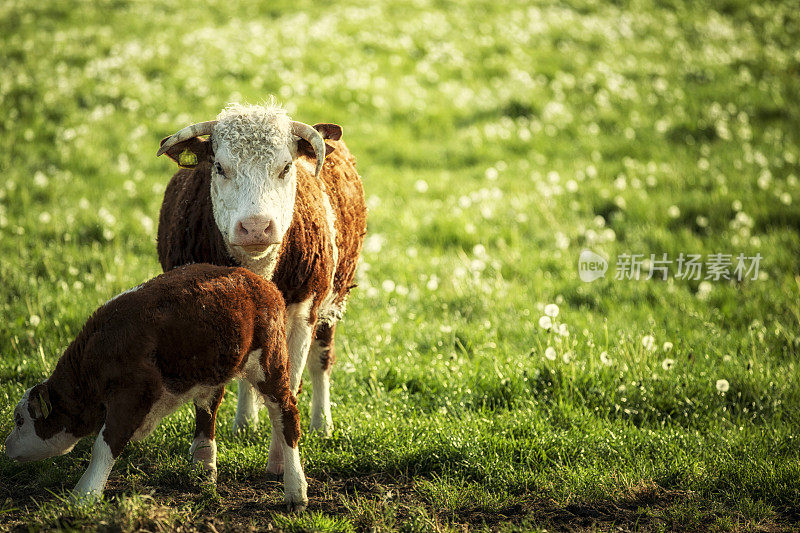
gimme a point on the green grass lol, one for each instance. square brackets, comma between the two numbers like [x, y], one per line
[496, 140]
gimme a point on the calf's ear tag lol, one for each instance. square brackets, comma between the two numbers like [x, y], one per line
[187, 159]
[44, 405]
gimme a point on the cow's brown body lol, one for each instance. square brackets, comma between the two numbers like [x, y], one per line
[308, 269]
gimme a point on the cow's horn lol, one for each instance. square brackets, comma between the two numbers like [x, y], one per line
[201, 128]
[304, 131]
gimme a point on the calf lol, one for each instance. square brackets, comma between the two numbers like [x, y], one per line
[179, 337]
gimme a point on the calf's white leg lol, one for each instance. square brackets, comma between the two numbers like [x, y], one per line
[204, 453]
[295, 486]
[93, 481]
[298, 340]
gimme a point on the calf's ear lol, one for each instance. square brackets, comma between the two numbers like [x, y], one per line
[191, 152]
[39, 402]
[327, 131]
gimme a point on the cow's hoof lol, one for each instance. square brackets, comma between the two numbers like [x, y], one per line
[209, 475]
[321, 428]
[275, 468]
[244, 426]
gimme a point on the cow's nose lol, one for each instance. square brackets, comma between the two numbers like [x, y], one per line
[256, 230]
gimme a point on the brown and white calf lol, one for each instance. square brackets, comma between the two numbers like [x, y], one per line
[179, 337]
[256, 194]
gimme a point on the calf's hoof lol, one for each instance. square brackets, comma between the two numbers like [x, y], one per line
[204, 454]
[80, 495]
[298, 506]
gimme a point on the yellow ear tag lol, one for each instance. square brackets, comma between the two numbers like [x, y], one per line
[187, 159]
[43, 405]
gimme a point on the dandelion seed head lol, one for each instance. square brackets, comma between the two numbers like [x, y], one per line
[551, 310]
[649, 343]
[723, 385]
[545, 322]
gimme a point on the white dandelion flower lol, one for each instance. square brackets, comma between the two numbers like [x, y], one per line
[545, 322]
[667, 363]
[34, 320]
[551, 310]
[667, 346]
[567, 357]
[649, 343]
[550, 353]
[704, 290]
[723, 385]
[605, 359]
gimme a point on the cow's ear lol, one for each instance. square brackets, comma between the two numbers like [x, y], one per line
[39, 402]
[191, 152]
[329, 131]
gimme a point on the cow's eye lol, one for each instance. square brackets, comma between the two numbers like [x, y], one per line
[19, 420]
[286, 169]
[218, 169]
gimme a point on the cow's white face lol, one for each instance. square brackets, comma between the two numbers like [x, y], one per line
[24, 444]
[253, 181]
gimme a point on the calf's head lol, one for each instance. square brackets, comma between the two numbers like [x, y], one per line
[252, 152]
[40, 428]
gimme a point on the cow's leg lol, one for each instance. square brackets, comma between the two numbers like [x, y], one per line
[204, 445]
[320, 364]
[299, 334]
[246, 408]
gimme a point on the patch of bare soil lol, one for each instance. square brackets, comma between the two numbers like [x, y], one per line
[250, 506]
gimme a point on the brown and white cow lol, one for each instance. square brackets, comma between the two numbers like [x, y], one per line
[179, 337]
[260, 193]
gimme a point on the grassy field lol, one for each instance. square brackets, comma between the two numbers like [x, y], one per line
[496, 141]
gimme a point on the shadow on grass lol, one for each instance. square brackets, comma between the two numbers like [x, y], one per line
[370, 502]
